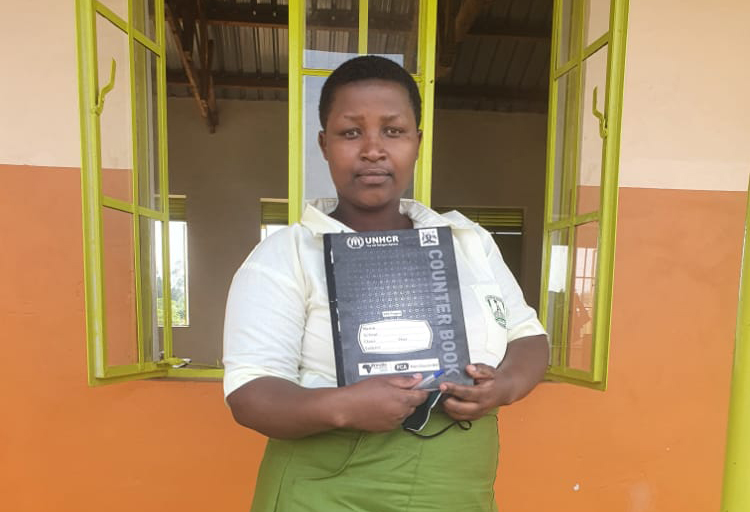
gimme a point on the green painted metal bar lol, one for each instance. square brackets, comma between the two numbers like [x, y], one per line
[550, 170]
[571, 159]
[135, 84]
[364, 10]
[147, 42]
[93, 199]
[116, 204]
[163, 157]
[609, 189]
[111, 16]
[296, 47]
[314, 71]
[90, 188]
[607, 216]
[735, 490]
[573, 221]
[426, 65]
[565, 68]
[196, 373]
[596, 45]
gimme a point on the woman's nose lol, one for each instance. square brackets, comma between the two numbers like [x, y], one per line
[372, 148]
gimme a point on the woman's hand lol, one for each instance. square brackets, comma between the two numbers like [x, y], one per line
[522, 369]
[378, 404]
[491, 389]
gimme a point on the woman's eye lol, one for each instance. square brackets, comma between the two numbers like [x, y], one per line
[350, 134]
[393, 132]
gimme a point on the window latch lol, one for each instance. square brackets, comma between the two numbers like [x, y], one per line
[105, 90]
[600, 116]
[174, 362]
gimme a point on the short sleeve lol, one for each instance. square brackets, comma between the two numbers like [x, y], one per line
[265, 317]
[522, 318]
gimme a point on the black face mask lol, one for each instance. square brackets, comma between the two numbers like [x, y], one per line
[421, 415]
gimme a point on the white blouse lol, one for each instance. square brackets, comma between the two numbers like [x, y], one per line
[278, 322]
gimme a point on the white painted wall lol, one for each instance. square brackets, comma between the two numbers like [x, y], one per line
[686, 119]
[39, 85]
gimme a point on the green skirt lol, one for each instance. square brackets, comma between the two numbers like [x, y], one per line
[395, 471]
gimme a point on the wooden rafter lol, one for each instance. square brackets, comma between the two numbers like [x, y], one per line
[532, 99]
[181, 17]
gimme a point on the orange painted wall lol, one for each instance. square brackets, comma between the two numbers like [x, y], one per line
[652, 443]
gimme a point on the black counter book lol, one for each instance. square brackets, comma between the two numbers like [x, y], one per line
[396, 305]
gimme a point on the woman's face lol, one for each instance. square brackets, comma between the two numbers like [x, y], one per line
[371, 142]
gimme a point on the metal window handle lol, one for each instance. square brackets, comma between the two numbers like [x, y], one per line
[105, 90]
[600, 116]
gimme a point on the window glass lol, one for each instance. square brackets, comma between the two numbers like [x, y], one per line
[119, 7]
[392, 31]
[331, 32]
[595, 19]
[567, 89]
[582, 295]
[556, 289]
[115, 119]
[147, 125]
[590, 141]
[568, 42]
[150, 293]
[119, 287]
[178, 280]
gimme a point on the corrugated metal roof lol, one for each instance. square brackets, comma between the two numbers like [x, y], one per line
[502, 64]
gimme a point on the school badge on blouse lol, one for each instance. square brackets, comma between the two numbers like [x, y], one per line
[497, 306]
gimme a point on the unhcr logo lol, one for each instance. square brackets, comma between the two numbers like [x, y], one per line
[355, 242]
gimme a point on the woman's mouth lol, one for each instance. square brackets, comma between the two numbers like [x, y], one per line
[373, 176]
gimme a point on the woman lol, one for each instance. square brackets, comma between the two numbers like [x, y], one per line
[334, 449]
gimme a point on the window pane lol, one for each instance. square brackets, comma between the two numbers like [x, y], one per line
[332, 32]
[567, 88]
[581, 320]
[393, 29]
[317, 179]
[115, 119]
[151, 254]
[178, 278]
[591, 144]
[119, 7]
[147, 123]
[143, 17]
[121, 335]
[568, 47]
[556, 287]
[596, 19]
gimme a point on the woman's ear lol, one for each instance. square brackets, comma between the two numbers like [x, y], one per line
[322, 143]
[419, 135]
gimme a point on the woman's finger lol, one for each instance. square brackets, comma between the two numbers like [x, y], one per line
[460, 410]
[480, 371]
[466, 393]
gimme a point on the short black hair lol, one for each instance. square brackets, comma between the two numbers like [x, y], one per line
[368, 67]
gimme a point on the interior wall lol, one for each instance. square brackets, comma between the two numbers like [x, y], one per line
[223, 175]
[495, 159]
[479, 159]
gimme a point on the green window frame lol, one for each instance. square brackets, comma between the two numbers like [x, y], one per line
[425, 78]
[273, 212]
[581, 204]
[139, 66]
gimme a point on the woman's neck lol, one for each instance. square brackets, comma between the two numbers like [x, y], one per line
[383, 219]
